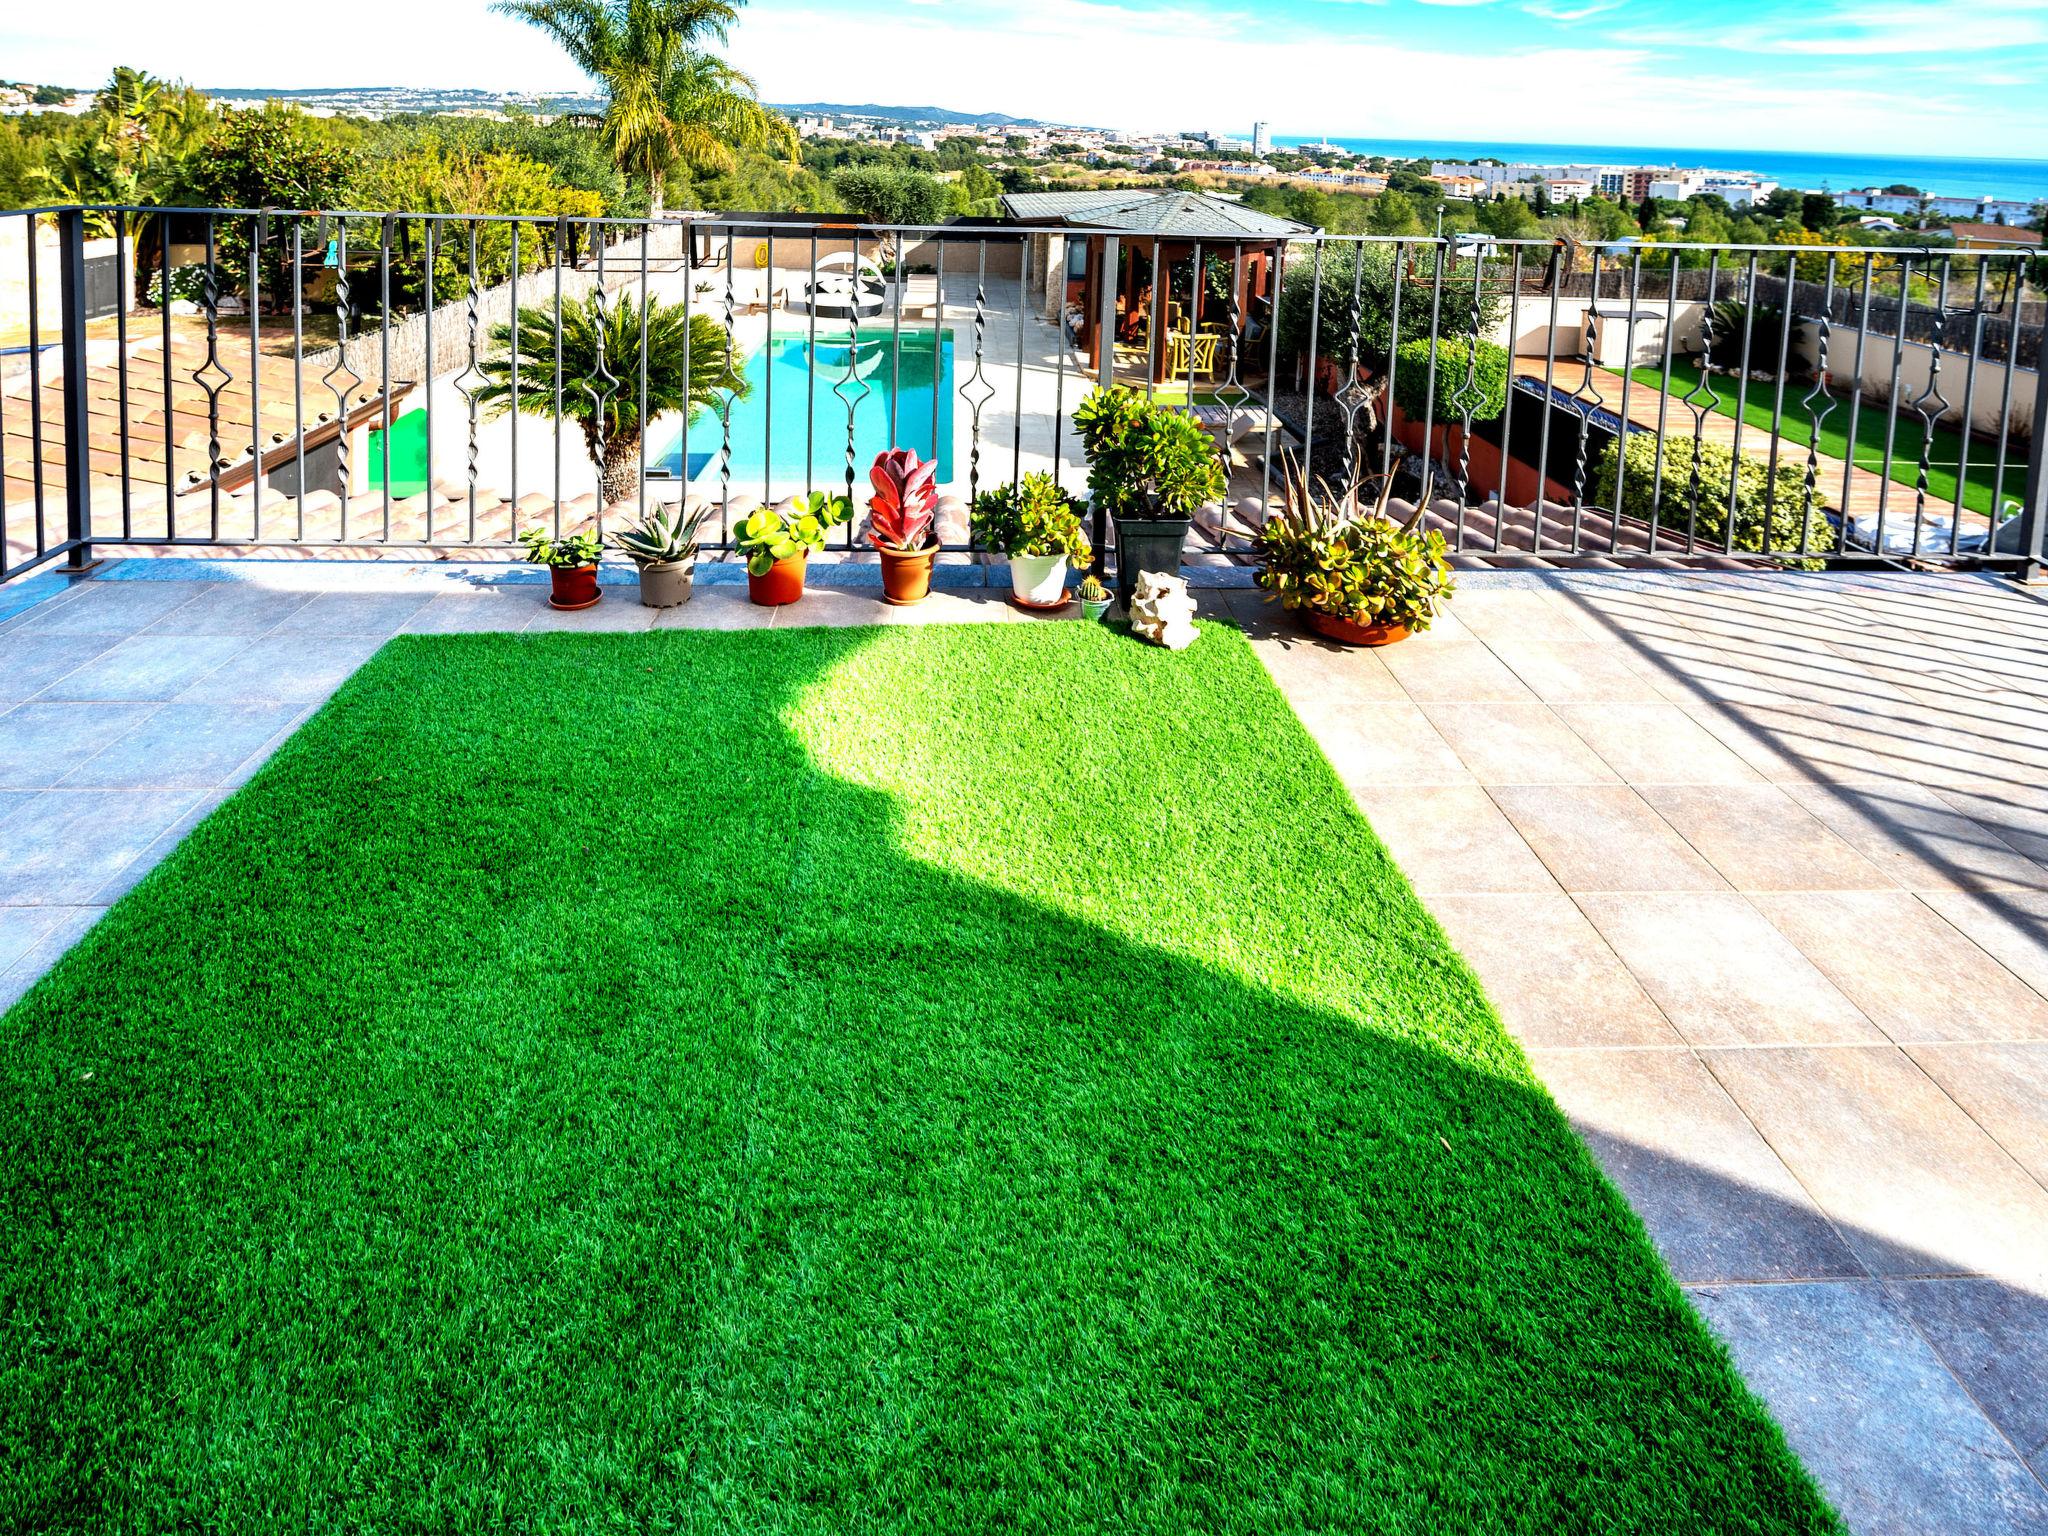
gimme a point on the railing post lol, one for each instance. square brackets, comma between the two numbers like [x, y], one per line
[77, 390]
[1105, 375]
[2033, 518]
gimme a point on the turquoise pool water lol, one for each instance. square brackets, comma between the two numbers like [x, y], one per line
[790, 429]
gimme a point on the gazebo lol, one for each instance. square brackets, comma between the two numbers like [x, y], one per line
[1155, 232]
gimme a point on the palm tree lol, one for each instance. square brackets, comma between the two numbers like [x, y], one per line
[667, 98]
[691, 363]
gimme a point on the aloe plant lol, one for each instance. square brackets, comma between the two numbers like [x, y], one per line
[769, 534]
[666, 535]
[906, 494]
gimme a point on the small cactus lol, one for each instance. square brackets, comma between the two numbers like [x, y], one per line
[1092, 590]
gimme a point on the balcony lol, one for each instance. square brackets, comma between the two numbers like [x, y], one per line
[712, 1037]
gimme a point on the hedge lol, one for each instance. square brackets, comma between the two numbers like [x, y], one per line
[1668, 499]
[1488, 390]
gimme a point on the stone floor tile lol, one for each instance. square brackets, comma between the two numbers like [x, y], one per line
[161, 848]
[620, 612]
[1451, 670]
[293, 667]
[1873, 1413]
[30, 662]
[1994, 1336]
[1761, 839]
[1914, 1184]
[2016, 814]
[2011, 926]
[1517, 742]
[184, 746]
[844, 607]
[1505, 614]
[378, 614]
[41, 743]
[1374, 744]
[715, 608]
[68, 926]
[66, 844]
[1552, 977]
[502, 609]
[1716, 1199]
[111, 607]
[1920, 840]
[2004, 1088]
[1604, 838]
[1451, 839]
[1911, 973]
[1656, 743]
[1312, 670]
[147, 666]
[22, 928]
[1562, 671]
[1722, 974]
[233, 608]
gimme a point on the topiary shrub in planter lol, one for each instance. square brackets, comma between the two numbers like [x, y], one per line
[1658, 487]
[1150, 466]
[1485, 394]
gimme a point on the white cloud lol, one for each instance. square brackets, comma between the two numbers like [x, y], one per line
[1097, 63]
[1919, 28]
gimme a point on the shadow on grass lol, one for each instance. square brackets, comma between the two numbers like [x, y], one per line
[820, 1080]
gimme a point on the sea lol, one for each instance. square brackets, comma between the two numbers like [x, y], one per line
[1939, 176]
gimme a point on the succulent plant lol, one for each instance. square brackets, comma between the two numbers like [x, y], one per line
[769, 534]
[561, 554]
[1033, 517]
[1092, 590]
[667, 534]
[906, 493]
[1327, 553]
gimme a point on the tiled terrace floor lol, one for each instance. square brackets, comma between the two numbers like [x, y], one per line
[1756, 867]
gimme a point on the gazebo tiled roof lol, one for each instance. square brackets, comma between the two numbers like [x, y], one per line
[1173, 215]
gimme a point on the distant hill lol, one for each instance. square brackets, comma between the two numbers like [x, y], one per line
[941, 116]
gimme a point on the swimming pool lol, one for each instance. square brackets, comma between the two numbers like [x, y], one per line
[790, 430]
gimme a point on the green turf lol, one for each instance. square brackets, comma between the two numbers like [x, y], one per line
[924, 1080]
[1981, 488]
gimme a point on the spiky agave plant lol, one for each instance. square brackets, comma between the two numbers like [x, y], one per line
[906, 496]
[1323, 551]
[664, 536]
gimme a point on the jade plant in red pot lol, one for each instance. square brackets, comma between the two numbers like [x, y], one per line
[900, 522]
[572, 566]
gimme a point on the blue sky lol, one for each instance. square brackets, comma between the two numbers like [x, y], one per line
[1904, 76]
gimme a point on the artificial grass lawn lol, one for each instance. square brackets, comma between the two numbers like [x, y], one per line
[925, 1080]
[1981, 489]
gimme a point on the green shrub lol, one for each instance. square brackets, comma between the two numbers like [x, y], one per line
[1668, 499]
[1032, 517]
[1146, 459]
[1330, 554]
[1486, 392]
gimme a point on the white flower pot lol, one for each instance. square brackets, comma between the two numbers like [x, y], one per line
[1039, 579]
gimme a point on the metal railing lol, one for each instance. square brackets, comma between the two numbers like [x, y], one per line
[359, 380]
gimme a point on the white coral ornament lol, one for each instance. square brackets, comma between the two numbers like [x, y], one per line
[1162, 611]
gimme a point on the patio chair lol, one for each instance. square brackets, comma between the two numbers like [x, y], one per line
[1204, 355]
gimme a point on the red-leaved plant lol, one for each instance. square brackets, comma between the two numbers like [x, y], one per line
[900, 511]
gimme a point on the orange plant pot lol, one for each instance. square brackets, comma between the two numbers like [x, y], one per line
[907, 575]
[572, 586]
[784, 582]
[1349, 632]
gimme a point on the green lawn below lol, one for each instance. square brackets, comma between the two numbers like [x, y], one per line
[1982, 487]
[909, 1079]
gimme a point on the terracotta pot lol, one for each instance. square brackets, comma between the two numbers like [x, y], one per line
[1039, 581]
[666, 583]
[572, 586]
[907, 575]
[784, 582]
[1348, 632]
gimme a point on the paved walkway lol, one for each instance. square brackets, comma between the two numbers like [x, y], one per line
[1756, 867]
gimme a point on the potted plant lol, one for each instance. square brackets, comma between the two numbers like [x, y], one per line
[779, 541]
[571, 563]
[1038, 527]
[900, 523]
[664, 546]
[1149, 466]
[1095, 598]
[1354, 574]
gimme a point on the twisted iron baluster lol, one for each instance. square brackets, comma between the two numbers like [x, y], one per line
[977, 403]
[1464, 395]
[1586, 399]
[212, 376]
[725, 405]
[341, 370]
[1700, 408]
[1354, 396]
[1932, 393]
[474, 373]
[1816, 415]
